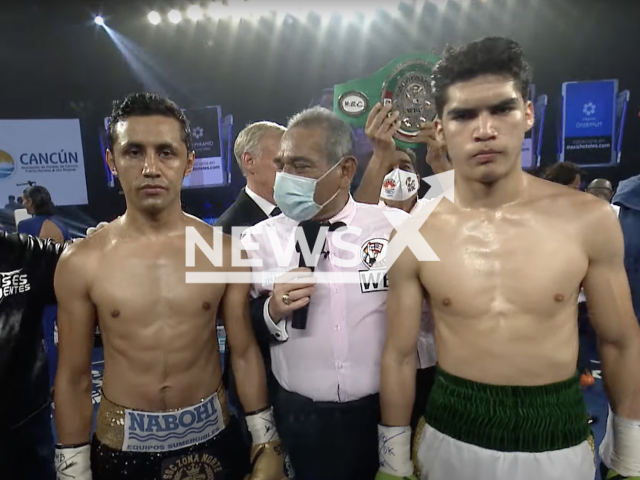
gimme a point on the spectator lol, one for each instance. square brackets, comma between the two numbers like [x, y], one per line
[12, 205]
[602, 188]
[37, 201]
[565, 173]
[628, 199]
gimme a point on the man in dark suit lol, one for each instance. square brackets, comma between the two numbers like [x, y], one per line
[255, 149]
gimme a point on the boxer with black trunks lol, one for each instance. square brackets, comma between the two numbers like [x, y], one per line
[163, 413]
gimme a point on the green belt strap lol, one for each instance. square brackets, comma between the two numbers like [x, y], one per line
[509, 418]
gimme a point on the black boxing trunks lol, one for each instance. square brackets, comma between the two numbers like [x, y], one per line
[200, 442]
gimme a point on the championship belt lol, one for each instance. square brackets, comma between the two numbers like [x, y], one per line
[404, 83]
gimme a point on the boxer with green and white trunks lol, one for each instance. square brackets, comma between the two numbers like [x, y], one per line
[513, 251]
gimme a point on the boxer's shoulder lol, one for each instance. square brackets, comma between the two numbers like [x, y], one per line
[195, 222]
[554, 199]
[88, 250]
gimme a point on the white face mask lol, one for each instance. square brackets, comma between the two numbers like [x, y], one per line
[399, 185]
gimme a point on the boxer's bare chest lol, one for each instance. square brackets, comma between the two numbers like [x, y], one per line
[504, 263]
[145, 282]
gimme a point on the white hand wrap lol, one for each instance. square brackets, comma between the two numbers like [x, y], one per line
[262, 427]
[73, 463]
[625, 454]
[394, 448]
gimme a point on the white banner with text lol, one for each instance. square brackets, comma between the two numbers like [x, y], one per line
[43, 152]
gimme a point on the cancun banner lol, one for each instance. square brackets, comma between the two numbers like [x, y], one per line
[588, 122]
[46, 153]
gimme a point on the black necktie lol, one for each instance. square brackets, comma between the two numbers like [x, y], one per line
[275, 212]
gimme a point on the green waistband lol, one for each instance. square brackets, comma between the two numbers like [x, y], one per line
[508, 418]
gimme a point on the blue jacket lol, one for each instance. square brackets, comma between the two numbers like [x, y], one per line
[628, 198]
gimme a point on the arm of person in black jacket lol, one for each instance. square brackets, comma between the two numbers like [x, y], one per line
[40, 254]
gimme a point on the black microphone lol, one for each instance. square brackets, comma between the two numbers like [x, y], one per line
[312, 230]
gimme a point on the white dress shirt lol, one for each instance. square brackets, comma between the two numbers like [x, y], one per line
[337, 357]
[265, 205]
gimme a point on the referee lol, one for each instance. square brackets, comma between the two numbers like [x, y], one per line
[327, 404]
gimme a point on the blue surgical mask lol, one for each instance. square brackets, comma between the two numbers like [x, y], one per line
[294, 195]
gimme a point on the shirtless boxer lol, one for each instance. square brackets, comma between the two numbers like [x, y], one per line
[163, 412]
[513, 250]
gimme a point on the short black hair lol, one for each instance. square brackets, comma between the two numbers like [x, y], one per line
[563, 173]
[12, 198]
[412, 156]
[40, 198]
[487, 56]
[147, 104]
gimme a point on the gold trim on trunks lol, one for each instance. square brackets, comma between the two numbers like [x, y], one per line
[416, 445]
[110, 420]
[592, 444]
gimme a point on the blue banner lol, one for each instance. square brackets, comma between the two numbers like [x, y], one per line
[526, 154]
[588, 122]
[207, 135]
[540, 109]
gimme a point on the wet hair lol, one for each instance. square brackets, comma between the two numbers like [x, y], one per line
[339, 136]
[145, 105]
[563, 173]
[40, 198]
[487, 56]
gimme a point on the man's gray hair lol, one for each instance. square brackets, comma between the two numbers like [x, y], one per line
[249, 139]
[339, 138]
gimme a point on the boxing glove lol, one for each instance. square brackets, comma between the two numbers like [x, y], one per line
[73, 462]
[269, 462]
[614, 476]
[268, 458]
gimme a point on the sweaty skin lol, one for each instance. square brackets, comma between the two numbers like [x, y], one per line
[505, 291]
[514, 251]
[159, 333]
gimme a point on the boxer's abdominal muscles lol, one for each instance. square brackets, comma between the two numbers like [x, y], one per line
[159, 333]
[504, 295]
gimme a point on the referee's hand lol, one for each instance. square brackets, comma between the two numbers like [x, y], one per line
[294, 287]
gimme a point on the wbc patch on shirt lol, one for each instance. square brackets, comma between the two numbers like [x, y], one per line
[373, 254]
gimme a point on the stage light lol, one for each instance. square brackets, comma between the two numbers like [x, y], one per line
[154, 18]
[175, 16]
[194, 12]
[98, 20]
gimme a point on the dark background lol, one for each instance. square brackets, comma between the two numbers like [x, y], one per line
[57, 64]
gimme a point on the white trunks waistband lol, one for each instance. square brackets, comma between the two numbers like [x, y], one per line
[131, 430]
